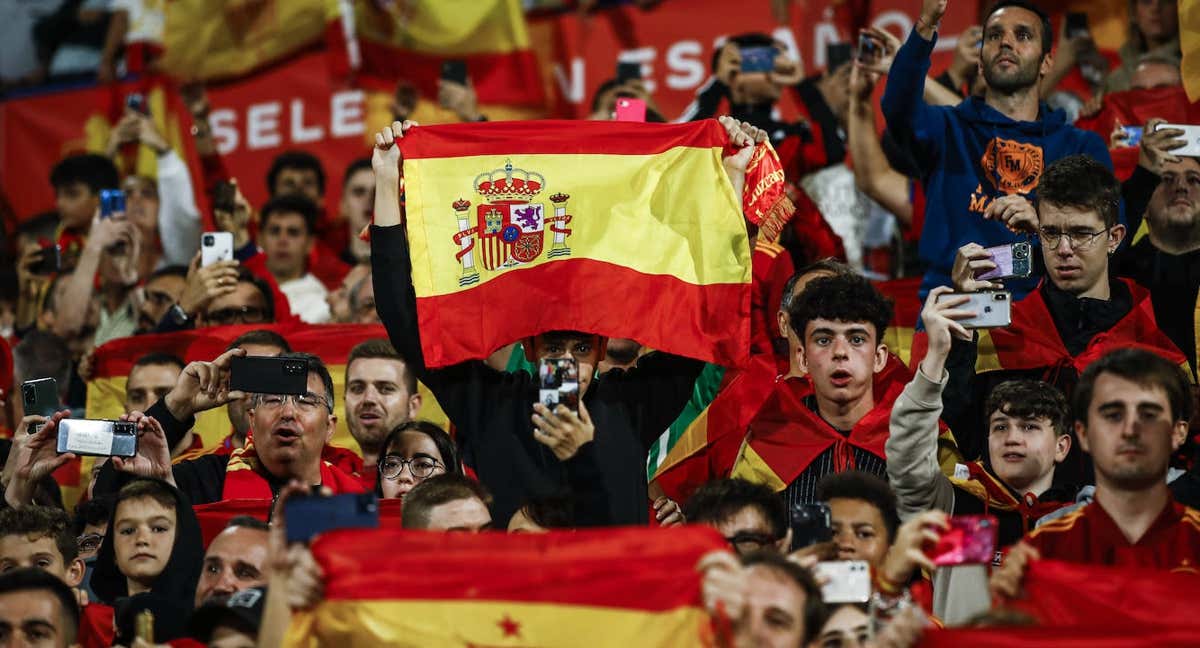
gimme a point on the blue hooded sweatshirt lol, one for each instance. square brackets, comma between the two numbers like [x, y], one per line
[971, 154]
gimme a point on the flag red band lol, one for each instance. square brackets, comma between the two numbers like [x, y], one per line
[587, 137]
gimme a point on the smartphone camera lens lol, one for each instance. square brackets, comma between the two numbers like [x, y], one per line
[208, 240]
[1000, 296]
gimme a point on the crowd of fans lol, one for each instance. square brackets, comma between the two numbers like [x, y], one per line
[1068, 422]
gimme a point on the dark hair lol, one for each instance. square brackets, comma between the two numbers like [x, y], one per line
[1081, 181]
[157, 358]
[32, 579]
[841, 298]
[1029, 399]
[753, 39]
[380, 348]
[828, 265]
[1047, 31]
[361, 164]
[42, 522]
[42, 354]
[95, 171]
[43, 225]
[96, 510]
[294, 160]
[247, 522]
[147, 488]
[1142, 367]
[721, 499]
[550, 512]
[168, 271]
[290, 204]
[814, 605]
[435, 491]
[264, 337]
[444, 443]
[863, 486]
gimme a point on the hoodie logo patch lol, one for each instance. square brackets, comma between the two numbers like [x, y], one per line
[1013, 167]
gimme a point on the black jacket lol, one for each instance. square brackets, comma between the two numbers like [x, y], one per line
[491, 410]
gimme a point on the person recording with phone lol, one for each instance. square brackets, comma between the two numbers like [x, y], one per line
[1077, 313]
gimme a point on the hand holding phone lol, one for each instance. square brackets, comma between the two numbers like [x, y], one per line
[758, 59]
[992, 308]
[630, 110]
[846, 581]
[214, 247]
[559, 383]
[1014, 260]
[1190, 137]
[98, 438]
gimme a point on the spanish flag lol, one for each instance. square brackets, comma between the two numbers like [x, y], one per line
[616, 587]
[619, 229]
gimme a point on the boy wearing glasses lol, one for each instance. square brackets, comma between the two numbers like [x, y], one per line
[1079, 311]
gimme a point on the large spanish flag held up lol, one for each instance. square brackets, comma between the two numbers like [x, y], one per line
[616, 587]
[621, 229]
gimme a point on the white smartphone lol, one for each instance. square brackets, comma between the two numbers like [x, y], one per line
[846, 581]
[1191, 135]
[992, 308]
[215, 246]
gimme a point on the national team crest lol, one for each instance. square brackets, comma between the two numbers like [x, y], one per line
[508, 228]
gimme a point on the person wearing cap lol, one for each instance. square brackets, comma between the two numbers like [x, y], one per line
[230, 621]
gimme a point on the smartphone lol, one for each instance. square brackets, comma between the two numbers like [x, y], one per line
[758, 59]
[837, 55]
[558, 383]
[268, 375]
[225, 196]
[970, 540]
[1191, 137]
[630, 110]
[136, 102]
[310, 515]
[100, 438]
[455, 70]
[112, 201]
[992, 308]
[846, 581]
[1015, 260]
[40, 396]
[1133, 135]
[628, 71]
[1077, 24]
[811, 524]
[215, 246]
[51, 261]
[868, 48]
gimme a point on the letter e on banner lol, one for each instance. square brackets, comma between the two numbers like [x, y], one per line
[262, 126]
[346, 114]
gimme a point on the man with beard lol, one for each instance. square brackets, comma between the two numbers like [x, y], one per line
[162, 290]
[983, 157]
[381, 394]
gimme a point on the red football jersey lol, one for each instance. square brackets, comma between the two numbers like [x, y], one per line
[1090, 536]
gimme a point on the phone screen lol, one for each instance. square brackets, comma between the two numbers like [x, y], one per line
[811, 524]
[758, 59]
[558, 383]
[971, 539]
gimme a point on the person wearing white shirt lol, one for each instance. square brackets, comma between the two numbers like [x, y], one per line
[287, 236]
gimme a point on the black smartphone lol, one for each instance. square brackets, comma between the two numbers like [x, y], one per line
[455, 70]
[837, 55]
[51, 261]
[268, 375]
[1077, 24]
[40, 396]
[559, 383]
[100, 438]
[628, 71]
[811, 524]
[868, 48]
[310, 515]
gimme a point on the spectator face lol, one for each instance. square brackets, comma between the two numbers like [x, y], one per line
[465, 515]
[33, 619]
[147, 384]
[364, 303]
[1077, 269]
[236, 560]
[1024, 451]
[42, 553]
[161, 294]
[1012, 57]
[239, 410]
[358, 200]
[748, 531]
[1129, 433]
[1153, 74]
[774, 615]
[859, 532]
[1176, 202]
[841, 358]
[377, 400]
[298, 181]
[76, 204]
[141, 204]
[144, 536]
[847, 627]
[419, 451]
[289, 435]
[286, 242]
[245, 305]
[339, 299]
[585, 350]
[1157, 20]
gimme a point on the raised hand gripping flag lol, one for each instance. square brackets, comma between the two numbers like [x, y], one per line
[616, 587]
[619, 229]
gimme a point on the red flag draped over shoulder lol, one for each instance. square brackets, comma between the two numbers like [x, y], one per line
[626, 230]
[617, 587]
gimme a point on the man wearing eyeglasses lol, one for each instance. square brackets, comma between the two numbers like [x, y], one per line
[1077, 313]
[289, 434]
